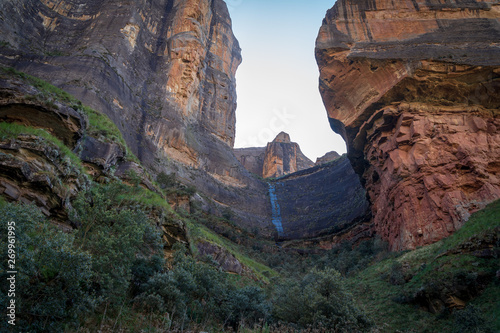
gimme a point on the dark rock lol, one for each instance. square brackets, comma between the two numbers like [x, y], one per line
[321, 200]
[225, 259]
[103, 154]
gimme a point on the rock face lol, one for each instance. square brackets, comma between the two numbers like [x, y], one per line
[414, 89]
[280, 157]
[322, 200]
[163, 71]
[251, 158]
[49, 153]
[328, 157]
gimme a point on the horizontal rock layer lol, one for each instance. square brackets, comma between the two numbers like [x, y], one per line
[413, 87]
[163, 71]
[322, 200]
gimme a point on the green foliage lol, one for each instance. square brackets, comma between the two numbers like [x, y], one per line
[470, 320]
[51, 283]
[320, 299]
[198, 292]
[115, 234]
[11, 130]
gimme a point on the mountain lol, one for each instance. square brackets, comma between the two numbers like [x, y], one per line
[280, 157]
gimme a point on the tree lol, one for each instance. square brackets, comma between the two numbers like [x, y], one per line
[320, 299]
[51, 280]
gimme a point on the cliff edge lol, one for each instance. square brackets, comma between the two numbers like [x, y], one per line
[413, 87]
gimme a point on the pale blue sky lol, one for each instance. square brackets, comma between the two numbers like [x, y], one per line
[277, 83]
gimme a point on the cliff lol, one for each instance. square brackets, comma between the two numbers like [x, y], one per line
[164, 73]
[280, 157]
[322, 202]
[413, 87]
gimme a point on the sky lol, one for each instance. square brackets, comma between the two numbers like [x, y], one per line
[277, 82]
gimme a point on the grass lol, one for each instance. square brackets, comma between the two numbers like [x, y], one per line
[12, 131]
[200, 232]
[430, 265]
[100, 125]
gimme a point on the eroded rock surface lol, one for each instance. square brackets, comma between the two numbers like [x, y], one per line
[164, 73]
[414, 89]
[280, 157]
[319, 201]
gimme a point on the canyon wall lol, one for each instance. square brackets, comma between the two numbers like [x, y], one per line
[163, 71]
[325, 200]
[414, 89]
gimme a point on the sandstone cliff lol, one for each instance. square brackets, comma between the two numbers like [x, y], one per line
[163, 71]
[280, 157]
[414, 89]
[52, 148]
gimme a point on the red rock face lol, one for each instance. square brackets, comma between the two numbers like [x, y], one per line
[414, 88]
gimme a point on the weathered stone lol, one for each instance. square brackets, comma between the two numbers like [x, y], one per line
[103, 154]
[226, 260]
[413, 88]
[283, 157]
[328, 157]
[164, 73]
[251, 158]
[319, 201]
[23, 104]
[33, 170]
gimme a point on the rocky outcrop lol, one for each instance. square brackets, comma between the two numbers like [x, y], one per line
[280, 157]
[164, 73]
[327, 158]
[224, 259]
[319, 201]
[413, 87]
[283, 157]
[50, 151]
[251, 158]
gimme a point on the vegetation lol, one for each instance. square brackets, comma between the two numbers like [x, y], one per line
[115, 273]
[12, 130]
[100, 126]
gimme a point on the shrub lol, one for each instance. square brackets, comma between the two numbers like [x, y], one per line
[116, 235]
[470, 320]
[320, 299]
[51, 279]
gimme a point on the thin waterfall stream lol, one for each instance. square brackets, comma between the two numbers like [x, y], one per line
[276, 216]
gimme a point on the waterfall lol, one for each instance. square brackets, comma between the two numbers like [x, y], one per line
[276, 218]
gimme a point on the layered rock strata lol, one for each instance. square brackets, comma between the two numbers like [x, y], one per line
[322, 200]
[163, 71]
[48, 156]
[414, 89]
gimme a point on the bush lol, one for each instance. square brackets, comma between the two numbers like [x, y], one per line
[200, 293]
[52, 275]
[320, 299]
[116, 236]
[470, 320]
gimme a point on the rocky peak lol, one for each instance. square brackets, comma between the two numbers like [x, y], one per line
[413, 87]
[280, 157]
[328, 157]
[282, 138]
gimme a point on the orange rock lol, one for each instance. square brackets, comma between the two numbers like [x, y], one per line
[414, 89]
